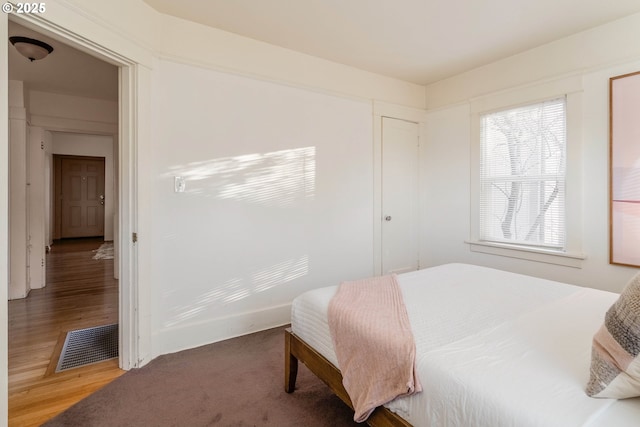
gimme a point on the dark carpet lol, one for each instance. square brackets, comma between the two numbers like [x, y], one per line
[237, 382]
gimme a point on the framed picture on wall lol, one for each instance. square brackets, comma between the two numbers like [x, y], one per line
[624, 169]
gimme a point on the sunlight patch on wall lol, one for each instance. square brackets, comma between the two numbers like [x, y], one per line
[236, 289]
[280, 273]
[279, 178]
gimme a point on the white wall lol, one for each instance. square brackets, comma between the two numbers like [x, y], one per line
[49, 189]
[76, 144]
[37, 211]
[218, 49]
[445, 167]
[66, 113]
[600, 47]
[447, 158]
[17, 150]
[278, 200]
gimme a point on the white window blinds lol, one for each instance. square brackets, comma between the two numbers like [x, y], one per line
[522, 175]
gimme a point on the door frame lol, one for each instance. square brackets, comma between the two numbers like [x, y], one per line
[393, 111]
[133, 97]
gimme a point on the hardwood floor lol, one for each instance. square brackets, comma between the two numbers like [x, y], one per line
[80, 293]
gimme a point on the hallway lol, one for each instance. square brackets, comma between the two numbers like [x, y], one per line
[80, 293]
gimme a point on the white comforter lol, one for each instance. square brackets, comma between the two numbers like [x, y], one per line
[493, 349]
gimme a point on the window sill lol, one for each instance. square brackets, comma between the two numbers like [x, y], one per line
[566, 259]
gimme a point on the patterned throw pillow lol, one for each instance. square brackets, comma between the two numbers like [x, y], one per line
[615, 355]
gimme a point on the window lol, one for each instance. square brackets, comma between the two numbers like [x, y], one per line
[522, 175]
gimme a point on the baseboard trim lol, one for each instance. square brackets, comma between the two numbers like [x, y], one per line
[174, 339]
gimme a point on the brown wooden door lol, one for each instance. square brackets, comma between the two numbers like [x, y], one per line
[81, 197]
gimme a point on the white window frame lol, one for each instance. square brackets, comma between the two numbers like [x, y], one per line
[571, 88]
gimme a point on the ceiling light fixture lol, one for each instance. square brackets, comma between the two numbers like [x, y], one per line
[31, 48]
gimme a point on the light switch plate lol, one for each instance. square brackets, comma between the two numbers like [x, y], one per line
[179, 184]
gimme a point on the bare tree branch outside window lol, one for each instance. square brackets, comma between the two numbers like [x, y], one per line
[523, 172]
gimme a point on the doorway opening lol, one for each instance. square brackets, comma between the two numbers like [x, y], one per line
[123, 154]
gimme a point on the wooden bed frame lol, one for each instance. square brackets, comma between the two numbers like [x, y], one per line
[297, 350]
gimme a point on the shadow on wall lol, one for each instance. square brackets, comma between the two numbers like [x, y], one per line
[238, 288]
[281, 180]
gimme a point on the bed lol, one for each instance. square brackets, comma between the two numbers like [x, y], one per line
[493, 348]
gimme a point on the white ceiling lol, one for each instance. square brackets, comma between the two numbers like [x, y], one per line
[66, 70]
[420, 41]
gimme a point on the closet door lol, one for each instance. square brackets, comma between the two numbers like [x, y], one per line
[400, 141]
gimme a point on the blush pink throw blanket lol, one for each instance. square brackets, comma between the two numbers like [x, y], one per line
[373, 342]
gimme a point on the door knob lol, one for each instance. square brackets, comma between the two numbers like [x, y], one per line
[387, 218]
